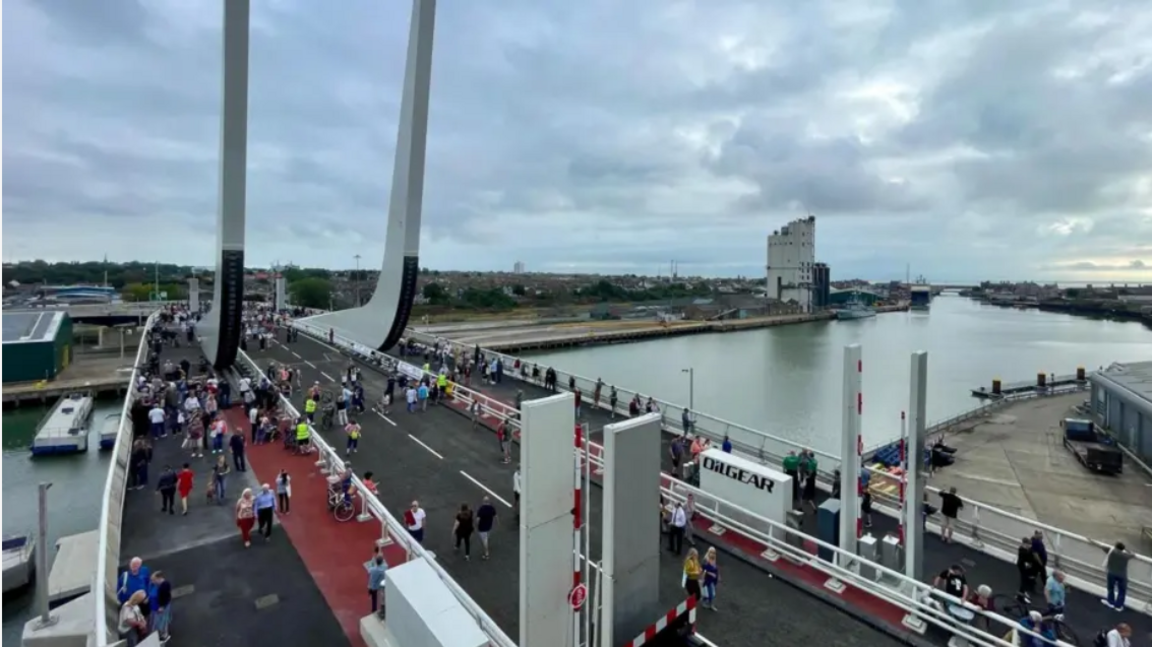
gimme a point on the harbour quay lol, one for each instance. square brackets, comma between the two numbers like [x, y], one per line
[522, 336]
[95, 373]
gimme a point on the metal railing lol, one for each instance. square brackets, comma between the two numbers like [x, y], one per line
[391, 529]
[888, 585]
[107, 609]
[999, 532]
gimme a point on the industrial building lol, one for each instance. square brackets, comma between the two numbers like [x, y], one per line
[791, 262]
[821, 287]
[1122, 404]
[37, 345]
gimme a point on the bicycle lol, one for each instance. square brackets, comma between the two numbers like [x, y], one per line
[341, 506]
[1016, 607]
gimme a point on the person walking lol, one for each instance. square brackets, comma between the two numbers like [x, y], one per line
[502, 436]
[1116, 563]
[284, 491]
[691, 576]
[246, 516]
[220, 473]
[377, 571]
[160, 600]
[352, 430]
[677, 522]
[265, 510]
[414, 518]
[711, 578]
[463, 529]
[184, 480]
[166, 487]
[236, 444]
[485, 521]
[133, 627]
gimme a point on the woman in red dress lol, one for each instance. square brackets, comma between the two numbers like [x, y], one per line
[184, 486]
[245, 516]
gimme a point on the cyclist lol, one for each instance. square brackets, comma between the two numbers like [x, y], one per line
[1037, 622]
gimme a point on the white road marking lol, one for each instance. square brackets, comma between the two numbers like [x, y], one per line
[327, 376]
[485, 488]
[296, 355]
[309, 363]
[430, 450]
[390, 421]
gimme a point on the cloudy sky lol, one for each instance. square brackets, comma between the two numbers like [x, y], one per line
[971, 139]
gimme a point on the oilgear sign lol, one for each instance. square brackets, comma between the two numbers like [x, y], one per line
[731, 471]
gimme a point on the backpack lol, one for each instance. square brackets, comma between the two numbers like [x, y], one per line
[1101, 639]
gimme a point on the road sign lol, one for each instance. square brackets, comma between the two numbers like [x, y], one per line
[577, 596]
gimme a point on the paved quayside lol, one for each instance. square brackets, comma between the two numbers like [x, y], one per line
[224, 595]
[435, 457]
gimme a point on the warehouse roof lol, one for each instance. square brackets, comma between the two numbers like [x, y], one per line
[1135, 377]
[23, 327]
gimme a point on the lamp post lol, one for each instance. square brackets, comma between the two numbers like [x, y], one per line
[357, 257]
[691, 388]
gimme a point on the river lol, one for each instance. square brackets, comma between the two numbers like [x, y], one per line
[788, 380]
[73, 502]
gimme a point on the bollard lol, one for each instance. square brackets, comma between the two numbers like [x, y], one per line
[1041, 379]
[996, 386]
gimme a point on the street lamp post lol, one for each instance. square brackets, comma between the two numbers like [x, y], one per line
[691, 388]
[357, 257]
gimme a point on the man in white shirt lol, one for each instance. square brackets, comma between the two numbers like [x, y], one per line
[414, 520]
[254, 420]
[156, 417]
[676, 525]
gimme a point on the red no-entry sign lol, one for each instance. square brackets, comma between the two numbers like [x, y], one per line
[577, 596]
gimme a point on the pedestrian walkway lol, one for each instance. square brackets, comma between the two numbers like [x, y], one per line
[435, 457]
[223, 594]
[1086, 614]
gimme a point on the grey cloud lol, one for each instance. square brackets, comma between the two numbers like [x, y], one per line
[594, 134]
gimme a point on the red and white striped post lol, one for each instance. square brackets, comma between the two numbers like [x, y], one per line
[577, 527]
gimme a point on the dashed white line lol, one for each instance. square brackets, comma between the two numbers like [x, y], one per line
[430, 450]
[296, 355]
[390, 421]
[327, 376]
[309, 363]
[485, 488]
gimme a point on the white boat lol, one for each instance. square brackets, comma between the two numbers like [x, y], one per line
[109, 429]
[855, 309]
[19, 565]
[65, 429]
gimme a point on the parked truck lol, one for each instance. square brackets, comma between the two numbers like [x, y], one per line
[1093, 449]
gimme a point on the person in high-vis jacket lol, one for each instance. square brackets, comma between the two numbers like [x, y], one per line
[303, 433]
[310, 409]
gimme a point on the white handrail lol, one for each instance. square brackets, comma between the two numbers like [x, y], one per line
[107, 562]
[394, 529]
[1006, 530]
[763, 534]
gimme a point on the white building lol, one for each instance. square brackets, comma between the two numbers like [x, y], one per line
[518, 267]
[791, 256]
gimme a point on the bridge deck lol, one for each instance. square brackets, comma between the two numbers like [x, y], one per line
[1087, 617]
[466, 465]
[225, 595]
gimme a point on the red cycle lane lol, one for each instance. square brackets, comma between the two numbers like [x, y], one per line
[334, 552]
